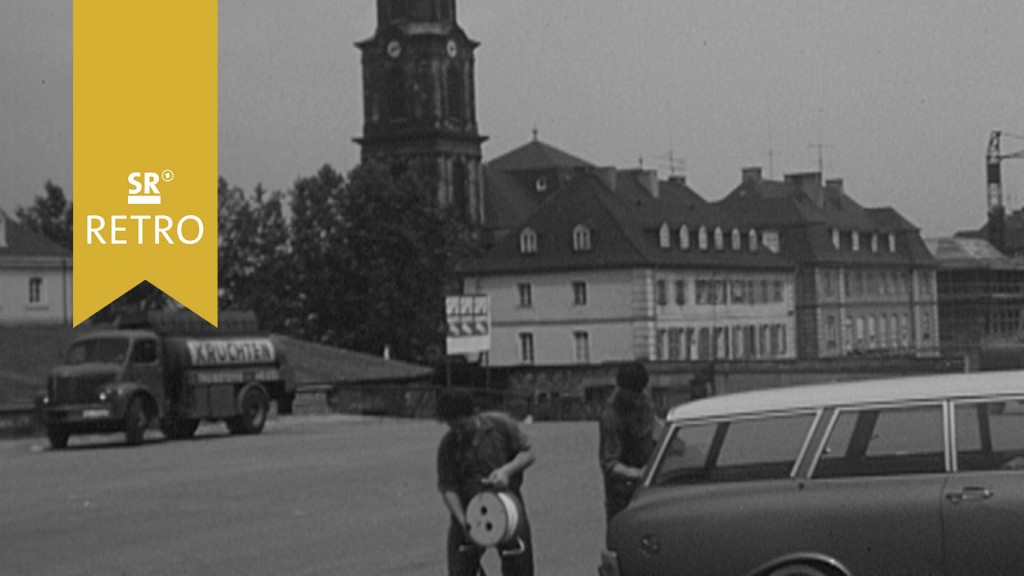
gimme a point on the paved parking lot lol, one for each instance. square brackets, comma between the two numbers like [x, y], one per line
[313, 495]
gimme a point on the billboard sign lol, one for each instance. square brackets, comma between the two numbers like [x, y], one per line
[469, 324]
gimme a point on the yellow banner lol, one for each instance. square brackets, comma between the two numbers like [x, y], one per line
[145, 151]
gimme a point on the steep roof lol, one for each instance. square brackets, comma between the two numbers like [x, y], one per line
[624, 225]
[805, 213]
[22, 242]
[536, 155]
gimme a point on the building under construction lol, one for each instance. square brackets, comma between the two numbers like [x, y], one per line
[981, 303]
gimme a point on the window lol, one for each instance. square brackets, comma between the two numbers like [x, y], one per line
[581, 238]
[830, 332]
[35, 290]
[855, 240]
[926, 283]
[659, 344]
[883, 332]
[675, 341]
[828, 279]
[836, 238]
[770, 239]
[525, 295]
[684, 237]
[680, 292]
[883, 442]
[702, 238]
[743, 450]
[526, 347]
[661, 292]
[579, 293]
[874, 242]
[144, 352]
[777, 291]
[926, 325]
[664, 240]
[987, 438]
[528, 242]
[871, 332]
[719, 239]
[739, 289]
[541, 185]
[582, 340]
[892, 242]
[752, 240]
[737, 240]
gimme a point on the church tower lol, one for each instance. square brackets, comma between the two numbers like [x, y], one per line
[419, 106]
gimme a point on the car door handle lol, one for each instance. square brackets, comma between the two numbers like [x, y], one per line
[969, 493]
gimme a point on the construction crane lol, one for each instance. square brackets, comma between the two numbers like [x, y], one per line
[996, 208]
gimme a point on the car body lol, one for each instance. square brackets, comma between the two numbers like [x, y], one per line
[919, 475]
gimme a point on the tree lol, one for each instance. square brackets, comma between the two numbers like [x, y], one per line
[50, 215]
[401, 254]
[253, 255]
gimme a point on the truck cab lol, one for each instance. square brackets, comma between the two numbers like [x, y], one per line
[169, 369]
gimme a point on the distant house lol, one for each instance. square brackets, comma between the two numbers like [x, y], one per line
[865, 280]
[617, 265]
[35, 277]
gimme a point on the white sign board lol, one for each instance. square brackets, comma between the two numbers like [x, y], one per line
[469, 324]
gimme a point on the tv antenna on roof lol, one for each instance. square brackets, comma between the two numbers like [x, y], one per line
[820, 146]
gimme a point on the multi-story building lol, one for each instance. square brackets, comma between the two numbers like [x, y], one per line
[981, 301]
[35, 277]
[865, 282]
[616, 265]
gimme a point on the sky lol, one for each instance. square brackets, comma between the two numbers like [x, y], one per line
[900, 96]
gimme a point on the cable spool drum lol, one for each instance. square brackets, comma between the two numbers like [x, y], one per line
[494, 518]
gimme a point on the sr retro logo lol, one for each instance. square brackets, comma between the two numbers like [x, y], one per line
[144, 229]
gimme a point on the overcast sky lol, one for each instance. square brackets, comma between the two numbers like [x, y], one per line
[903, 93]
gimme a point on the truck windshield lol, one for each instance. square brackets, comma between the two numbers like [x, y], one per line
[107, 350]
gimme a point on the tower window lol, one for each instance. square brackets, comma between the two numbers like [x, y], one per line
[456, 101]
[663, 236]
[684, 237]
[397, 105]
[719, 239]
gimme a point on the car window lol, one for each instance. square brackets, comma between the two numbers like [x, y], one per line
[144, 352]
[884, 442]
[990, 436]
[735, 451]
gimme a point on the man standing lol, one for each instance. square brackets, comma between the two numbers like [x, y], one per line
[481, 451]
[629, 430]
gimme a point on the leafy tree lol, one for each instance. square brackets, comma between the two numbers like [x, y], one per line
[253, 254]
[402, 249]
[50, 215]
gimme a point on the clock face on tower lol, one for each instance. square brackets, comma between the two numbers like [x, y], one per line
[394, 49]
[452, 48]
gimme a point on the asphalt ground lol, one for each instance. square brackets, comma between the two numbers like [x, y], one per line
[312, 495]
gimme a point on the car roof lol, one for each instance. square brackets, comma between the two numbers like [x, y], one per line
[860, 392]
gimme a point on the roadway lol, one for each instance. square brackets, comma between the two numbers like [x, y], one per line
[312, 495]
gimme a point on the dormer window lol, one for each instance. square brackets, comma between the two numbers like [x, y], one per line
[752, 240]
[892, 242]
[580, 238]
[874, 243]
[835, 238]
[684, 237]
[719, 239]
[855, 240]
[702, 238]
[541, 184]
[664, 240]
[737, 240]
[770, 239]
[528, 241]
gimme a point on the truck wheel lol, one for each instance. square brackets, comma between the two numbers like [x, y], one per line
[135, 422]
[179, 428]
[58, 436]
[253, 404]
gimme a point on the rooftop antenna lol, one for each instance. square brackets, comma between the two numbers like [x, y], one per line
[771, 157]
[534, 132]
[820, 146]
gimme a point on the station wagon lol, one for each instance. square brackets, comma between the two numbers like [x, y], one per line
[919, 475]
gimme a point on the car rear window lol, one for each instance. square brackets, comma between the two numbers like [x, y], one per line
[884, 442]
[990, 435]
[734, 451]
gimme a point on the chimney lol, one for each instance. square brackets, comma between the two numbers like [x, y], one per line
[649, 180]
[608, 176]
[833, 192]
[751, 174]
[809, 183]
[678, 179]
